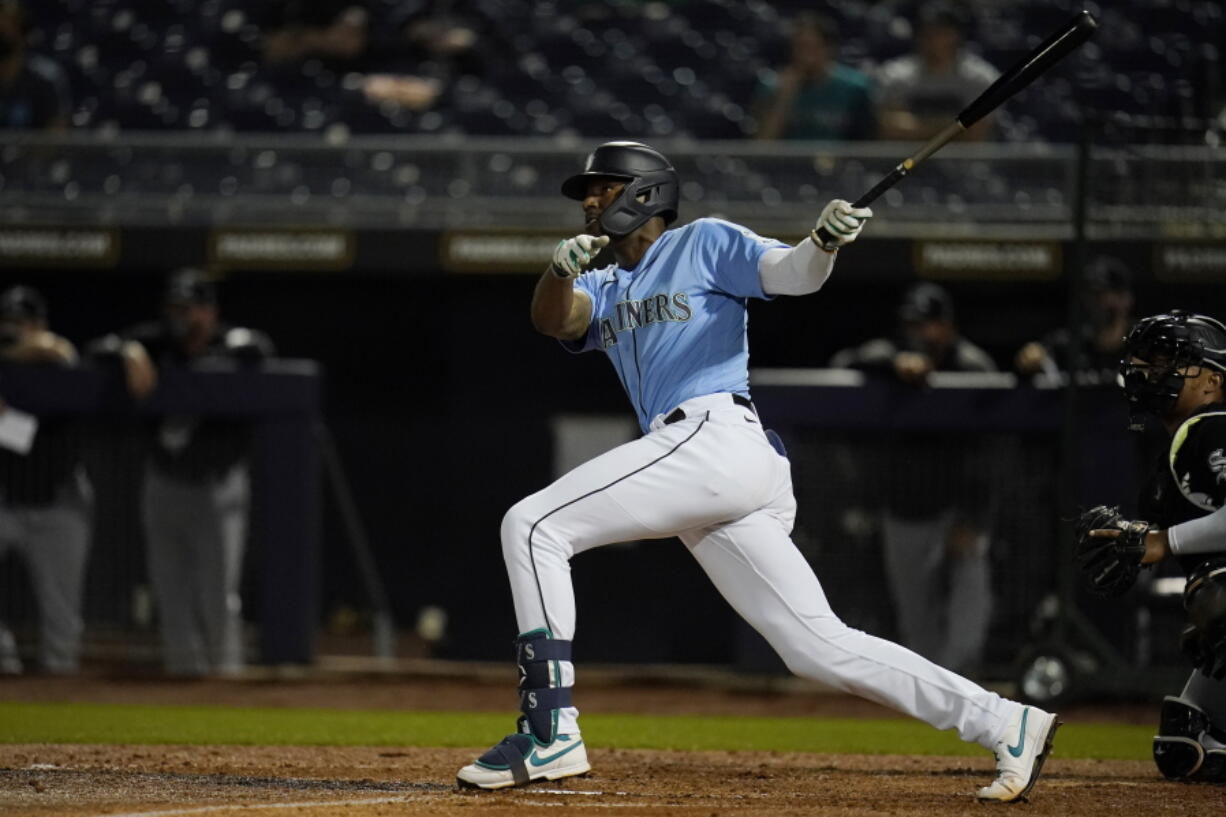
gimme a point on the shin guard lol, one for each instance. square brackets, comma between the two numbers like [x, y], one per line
[1178, 752]
[541, 693]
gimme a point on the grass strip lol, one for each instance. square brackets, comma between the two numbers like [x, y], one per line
[213, 725]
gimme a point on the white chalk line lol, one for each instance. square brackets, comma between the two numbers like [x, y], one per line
[376, 801]
[373, 801]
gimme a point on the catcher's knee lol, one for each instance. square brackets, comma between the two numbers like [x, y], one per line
[1178, 751]
[1204, 637]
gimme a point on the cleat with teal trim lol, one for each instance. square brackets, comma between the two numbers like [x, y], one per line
[1020, 755]
[521, 759]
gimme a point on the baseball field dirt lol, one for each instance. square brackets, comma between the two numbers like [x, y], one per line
[56, 780]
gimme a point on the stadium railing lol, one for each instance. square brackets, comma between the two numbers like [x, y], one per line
[438, 182]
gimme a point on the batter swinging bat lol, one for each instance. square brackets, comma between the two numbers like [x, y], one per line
[1024, 72]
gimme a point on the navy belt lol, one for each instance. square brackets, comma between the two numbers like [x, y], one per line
[677, 415]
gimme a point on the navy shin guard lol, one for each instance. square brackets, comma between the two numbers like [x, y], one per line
[541, 693]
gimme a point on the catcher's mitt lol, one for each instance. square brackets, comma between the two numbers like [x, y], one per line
[1110, 565]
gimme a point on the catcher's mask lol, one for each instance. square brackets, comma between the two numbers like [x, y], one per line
[1160, 353]
[651, 187]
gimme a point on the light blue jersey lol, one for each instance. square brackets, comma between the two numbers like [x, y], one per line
[674, 326]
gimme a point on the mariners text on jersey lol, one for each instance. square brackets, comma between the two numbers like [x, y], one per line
[643, 312]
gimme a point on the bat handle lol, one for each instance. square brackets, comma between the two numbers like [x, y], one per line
[824, 236]
[904, 167]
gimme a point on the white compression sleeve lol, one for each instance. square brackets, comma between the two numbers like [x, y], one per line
[797, 270]
[1205, 534]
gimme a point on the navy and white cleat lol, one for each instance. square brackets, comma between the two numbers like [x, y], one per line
[521, 759]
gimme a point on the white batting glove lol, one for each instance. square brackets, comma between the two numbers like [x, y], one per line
[842, 221]
[574, 254]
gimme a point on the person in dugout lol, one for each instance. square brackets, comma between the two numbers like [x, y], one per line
[196, 489]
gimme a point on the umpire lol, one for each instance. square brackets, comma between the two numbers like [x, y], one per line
[196, 490]
[1174, 368]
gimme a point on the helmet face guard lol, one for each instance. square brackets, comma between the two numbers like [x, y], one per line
[1160, 353]
[1151, 388]
[640, 200]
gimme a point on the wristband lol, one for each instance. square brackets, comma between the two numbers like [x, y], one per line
[820, 245]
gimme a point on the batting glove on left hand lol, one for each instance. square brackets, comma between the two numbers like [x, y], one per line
[574, 254]
[842, 221]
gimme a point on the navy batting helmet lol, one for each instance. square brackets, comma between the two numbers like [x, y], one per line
[1162, 351]
[651, 187]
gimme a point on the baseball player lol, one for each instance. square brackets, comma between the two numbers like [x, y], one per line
[669, 310]
[196, 492]
[1174, 369]
[935, 532]
[45, 495]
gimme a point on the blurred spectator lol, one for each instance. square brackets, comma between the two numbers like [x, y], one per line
[33, 89]
[935, 526]
[425, 45]
[295, 30]
[1107, 308]
[45, 497]
[921, 93]
[196, 488]
[433, 31]
[405, 90]
[813, 96]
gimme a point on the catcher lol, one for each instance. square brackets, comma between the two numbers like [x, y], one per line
[1174, 368]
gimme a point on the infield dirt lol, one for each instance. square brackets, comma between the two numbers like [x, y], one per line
[81, 780]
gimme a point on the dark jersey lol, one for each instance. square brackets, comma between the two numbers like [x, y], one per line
[1100, 365]
[34, 479]
[193, 448]
[1189, 481]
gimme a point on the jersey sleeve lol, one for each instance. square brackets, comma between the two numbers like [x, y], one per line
[593, 285]
[1198, 460]
[727, 256]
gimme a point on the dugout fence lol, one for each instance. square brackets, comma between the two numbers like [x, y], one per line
[108, 440]
[993, 444]
[848, 437]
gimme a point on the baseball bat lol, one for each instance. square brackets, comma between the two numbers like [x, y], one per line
[1023, 72]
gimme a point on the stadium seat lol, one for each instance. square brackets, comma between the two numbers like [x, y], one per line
[204, 56]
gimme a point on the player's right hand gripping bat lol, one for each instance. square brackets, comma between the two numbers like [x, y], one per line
[1024, 72]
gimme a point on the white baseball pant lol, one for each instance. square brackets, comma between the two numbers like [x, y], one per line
[714, 480]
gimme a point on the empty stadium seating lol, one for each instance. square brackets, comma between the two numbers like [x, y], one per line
[634, 69]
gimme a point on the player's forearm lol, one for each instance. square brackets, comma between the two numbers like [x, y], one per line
[43, 347]
[799, 270]
[1206, 534]
[553, 303]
